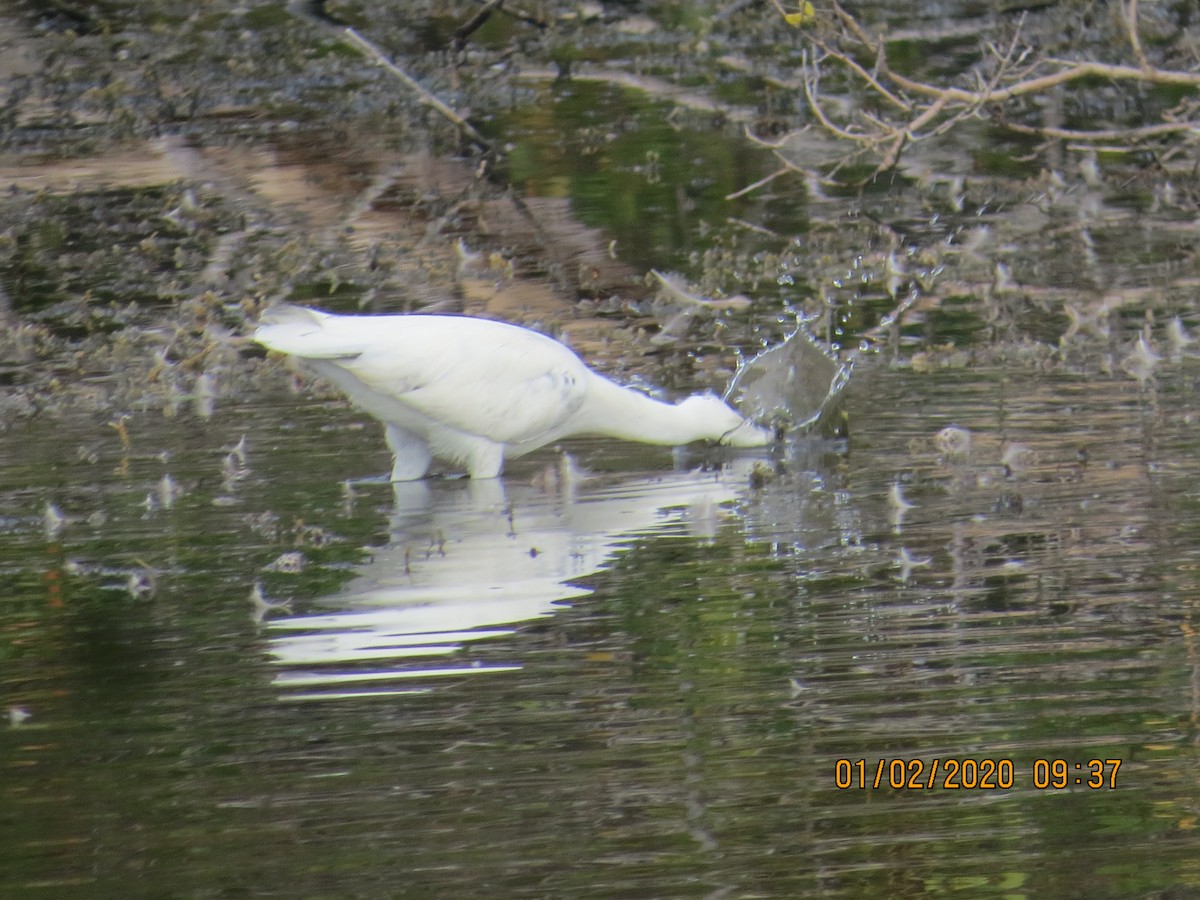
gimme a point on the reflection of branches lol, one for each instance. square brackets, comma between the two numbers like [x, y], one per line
[914, 110]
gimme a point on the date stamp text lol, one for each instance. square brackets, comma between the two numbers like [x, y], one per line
[971, 774]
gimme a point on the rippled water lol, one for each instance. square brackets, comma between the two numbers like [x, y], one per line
[646, 681]
[952, 654]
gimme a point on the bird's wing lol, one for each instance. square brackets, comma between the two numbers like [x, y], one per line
[498, 381]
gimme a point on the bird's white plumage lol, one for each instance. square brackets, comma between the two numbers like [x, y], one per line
[476, 391]
[498, 381]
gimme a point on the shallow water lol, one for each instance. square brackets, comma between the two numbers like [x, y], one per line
[649, 680]
[234, 662]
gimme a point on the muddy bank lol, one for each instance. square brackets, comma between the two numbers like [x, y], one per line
[169, 172]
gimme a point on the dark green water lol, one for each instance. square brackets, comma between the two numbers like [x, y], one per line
[676, 727]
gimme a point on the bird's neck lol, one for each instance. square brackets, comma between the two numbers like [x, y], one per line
[620, 412]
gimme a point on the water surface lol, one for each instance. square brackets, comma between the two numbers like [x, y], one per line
[660, 700]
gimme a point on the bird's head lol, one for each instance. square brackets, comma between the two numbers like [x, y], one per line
[724, 424]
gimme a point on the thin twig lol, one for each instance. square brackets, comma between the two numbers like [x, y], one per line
[750, 188]
[473, 24]
[1105, 134]
[762, 142]
[852, 25]
[1074, 71]
[422, 93]
[865, 76]
[810, 94]
[1131, 25]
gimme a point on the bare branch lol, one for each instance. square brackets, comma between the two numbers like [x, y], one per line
[810, 93]
[1105, 134]
[412, 84]
[1131, 24]
[865, 76]
[770, 145]
[751, 188]
[464, 31]
[851, 24]
[1074, 71]
[1008, 71]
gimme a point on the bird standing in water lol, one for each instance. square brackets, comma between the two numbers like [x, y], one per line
[475, 392]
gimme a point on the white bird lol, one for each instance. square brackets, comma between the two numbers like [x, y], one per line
[476, 392]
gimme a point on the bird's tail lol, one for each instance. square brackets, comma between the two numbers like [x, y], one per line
[305, 332]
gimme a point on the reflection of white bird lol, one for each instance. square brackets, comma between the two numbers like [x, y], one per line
[470, 560]
[54, 520]
[475, 392]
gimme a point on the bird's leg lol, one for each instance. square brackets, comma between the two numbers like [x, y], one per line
[486, 459]
[410, 454]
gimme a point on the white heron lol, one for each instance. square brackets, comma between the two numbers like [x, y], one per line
[475, 392]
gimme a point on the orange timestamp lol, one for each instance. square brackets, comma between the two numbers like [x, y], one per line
[952, 774]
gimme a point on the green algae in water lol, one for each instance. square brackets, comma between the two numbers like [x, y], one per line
[651, 176]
